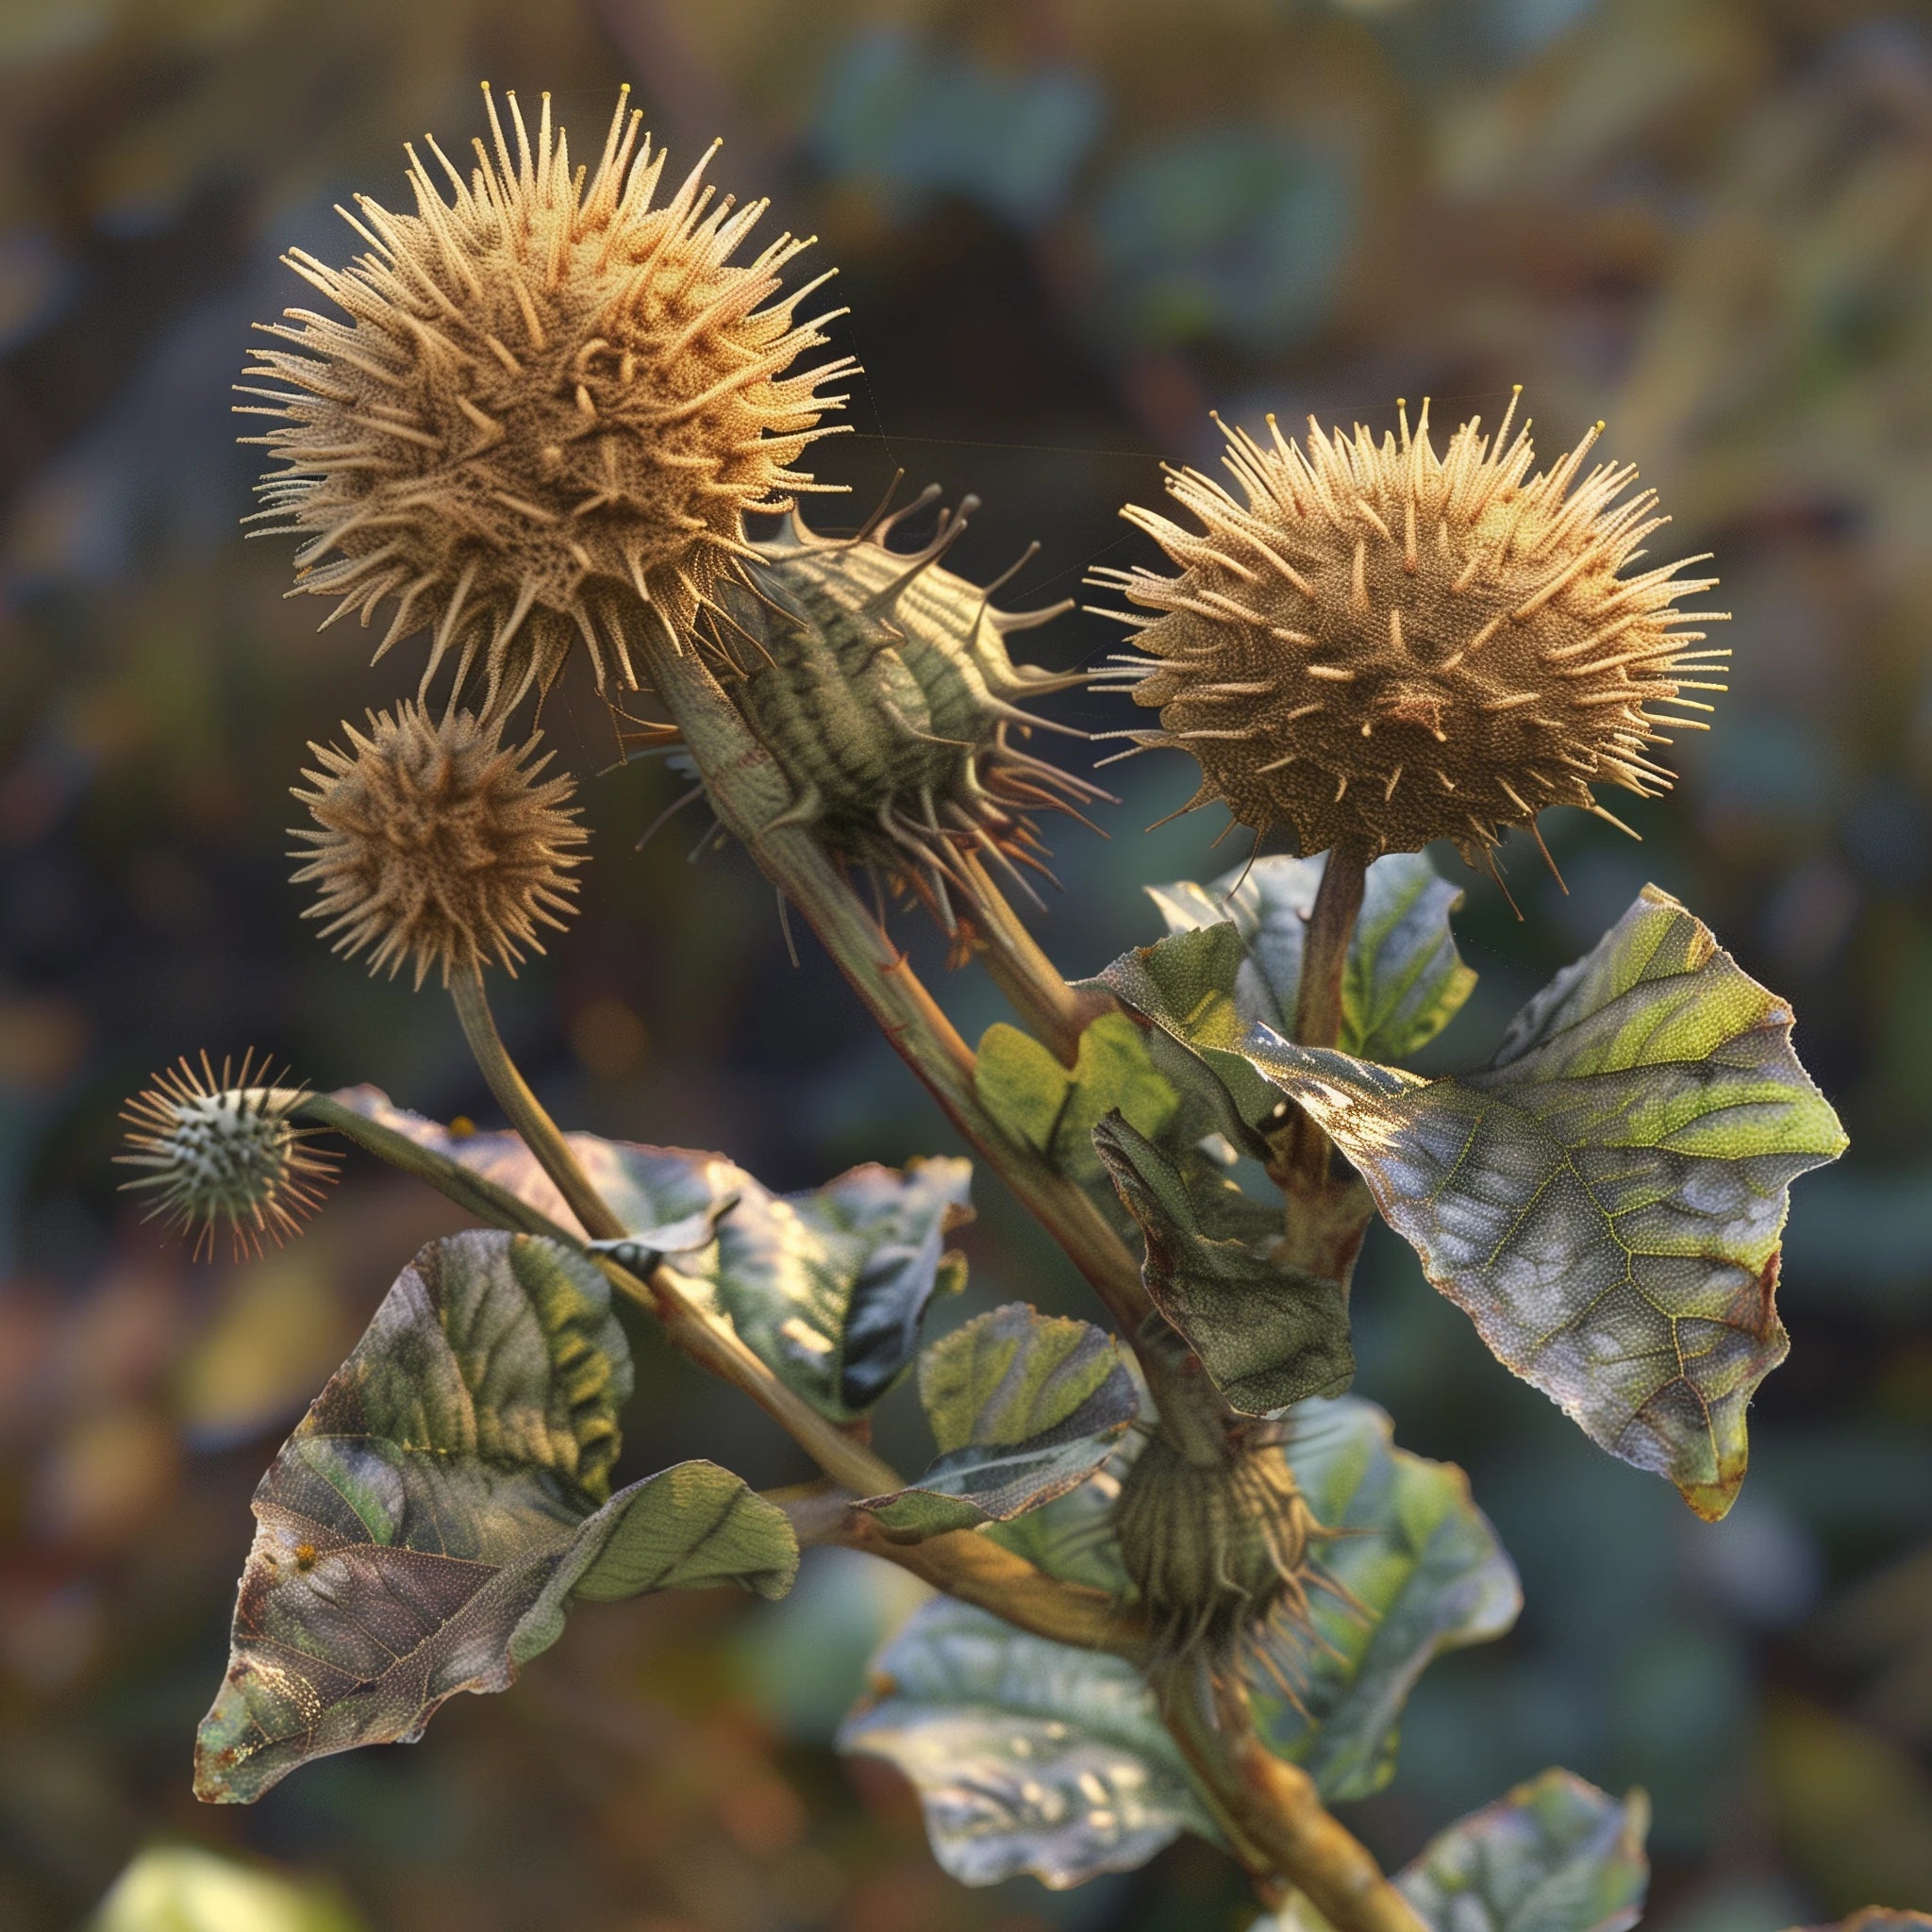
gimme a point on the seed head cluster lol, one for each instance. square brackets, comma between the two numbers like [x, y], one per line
[1376, 645]
[222, 1149]
[547, 399]
[435, 844]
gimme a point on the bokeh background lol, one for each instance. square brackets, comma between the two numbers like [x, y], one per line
[1065, 228]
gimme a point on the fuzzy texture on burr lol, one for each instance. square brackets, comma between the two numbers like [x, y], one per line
[1376, 645]
[548, 397]
[220, 1149]
[880, 683]
[435, 844]
[1216, 1549]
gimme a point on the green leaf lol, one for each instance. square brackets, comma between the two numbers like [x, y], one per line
[1556, 1854]
[1024, 1407]
[970, 1710]
[1605, 1199]
[1425, 1573]
[1185, 985]
[1052, 1109]
[422, 1529]
[184, 1888]
[827, 1287]
[1029, 1755]
[692, 1526]
[1268, 1335]
[1403, 981]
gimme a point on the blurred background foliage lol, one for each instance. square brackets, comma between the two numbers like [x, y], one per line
[1066, 229]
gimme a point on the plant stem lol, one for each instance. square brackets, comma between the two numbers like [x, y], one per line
[525, 1112]
[1277, 1810]
[1276, 1813]
[1324, 948]
[1032, 984]
[1326, 1218]
[978, 1571]
[753, 799]
[961, 1564]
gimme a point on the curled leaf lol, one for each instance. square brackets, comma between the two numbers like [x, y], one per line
[1024, 1406]
[1268, 1335]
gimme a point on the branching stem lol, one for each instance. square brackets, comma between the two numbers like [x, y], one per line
[963, 1565]
[753, 798]
[1275, 1817]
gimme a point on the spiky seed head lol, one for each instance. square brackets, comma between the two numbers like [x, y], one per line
[1215, 1549]
[881, 684]
[434, 843]
[1376, 645]
[545, 399]
[221, 1148]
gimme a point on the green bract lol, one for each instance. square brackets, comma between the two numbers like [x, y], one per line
[1604, 1198]
[424, 1528]
[1054, 1109]
[1268, 1334]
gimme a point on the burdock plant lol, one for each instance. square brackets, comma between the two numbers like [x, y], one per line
[1183, 1580]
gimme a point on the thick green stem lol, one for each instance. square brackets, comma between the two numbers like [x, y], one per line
[525, 1112]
